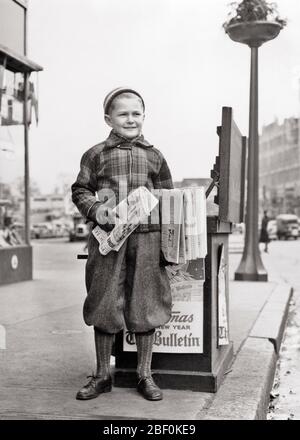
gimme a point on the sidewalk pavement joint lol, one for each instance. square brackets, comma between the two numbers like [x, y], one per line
[271, 321]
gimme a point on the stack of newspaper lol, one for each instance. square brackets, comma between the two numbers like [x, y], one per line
[183, 230]
[131, 212]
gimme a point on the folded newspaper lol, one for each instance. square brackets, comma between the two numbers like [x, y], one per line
[132, 211]
[183, 230]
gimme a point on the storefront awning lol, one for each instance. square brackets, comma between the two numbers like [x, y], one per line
[17, 63]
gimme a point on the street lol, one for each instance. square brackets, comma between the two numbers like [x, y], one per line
[283, 259]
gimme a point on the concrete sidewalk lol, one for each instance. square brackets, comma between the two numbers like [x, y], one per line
[50, 350]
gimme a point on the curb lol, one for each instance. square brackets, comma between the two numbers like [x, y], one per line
[245, 392]
[272, 319]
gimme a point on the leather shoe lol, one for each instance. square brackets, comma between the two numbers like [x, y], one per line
[148, 389]
[96, 386]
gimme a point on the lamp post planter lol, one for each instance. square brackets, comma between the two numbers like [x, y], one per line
[253, 26]
[254, 33]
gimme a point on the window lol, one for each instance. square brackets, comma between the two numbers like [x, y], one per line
[13, 37]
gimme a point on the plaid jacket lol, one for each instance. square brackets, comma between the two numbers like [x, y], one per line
[115, 167]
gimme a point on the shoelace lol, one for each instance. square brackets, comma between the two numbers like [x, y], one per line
[148, 379]
[93, 379]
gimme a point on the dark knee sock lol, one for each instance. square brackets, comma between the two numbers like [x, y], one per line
[144, 343]
[103, 345]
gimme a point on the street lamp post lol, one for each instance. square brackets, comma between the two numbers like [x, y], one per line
[254, 34]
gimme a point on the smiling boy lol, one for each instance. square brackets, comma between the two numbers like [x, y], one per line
[125, 114]
[128, 287]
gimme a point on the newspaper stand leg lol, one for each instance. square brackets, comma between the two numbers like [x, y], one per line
[190, 371]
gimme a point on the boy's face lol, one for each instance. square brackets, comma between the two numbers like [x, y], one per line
[126, 117]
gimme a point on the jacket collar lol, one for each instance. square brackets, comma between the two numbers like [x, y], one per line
[115, 140]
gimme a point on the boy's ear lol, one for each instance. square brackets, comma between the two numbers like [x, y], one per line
[108, 120]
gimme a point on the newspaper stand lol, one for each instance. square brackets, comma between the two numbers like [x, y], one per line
[205, 370]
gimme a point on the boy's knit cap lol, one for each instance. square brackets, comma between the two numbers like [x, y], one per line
[114, 93]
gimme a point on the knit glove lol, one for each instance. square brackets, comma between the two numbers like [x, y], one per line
[106, 217]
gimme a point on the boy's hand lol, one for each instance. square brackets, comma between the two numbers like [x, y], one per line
[163, 262]
[106, 217]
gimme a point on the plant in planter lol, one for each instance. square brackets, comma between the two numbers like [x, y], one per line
[253, 10]
[253, 22]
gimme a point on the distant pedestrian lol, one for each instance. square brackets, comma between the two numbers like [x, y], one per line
[129, 287]
[264, 235]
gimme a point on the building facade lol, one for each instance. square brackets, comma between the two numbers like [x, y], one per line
[16, 100]
[279, 174]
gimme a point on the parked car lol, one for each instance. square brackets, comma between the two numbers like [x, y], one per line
[80, 230]
[287, 226]
[60, 229]
[34, 232]
[20, 228]
[42, 230]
